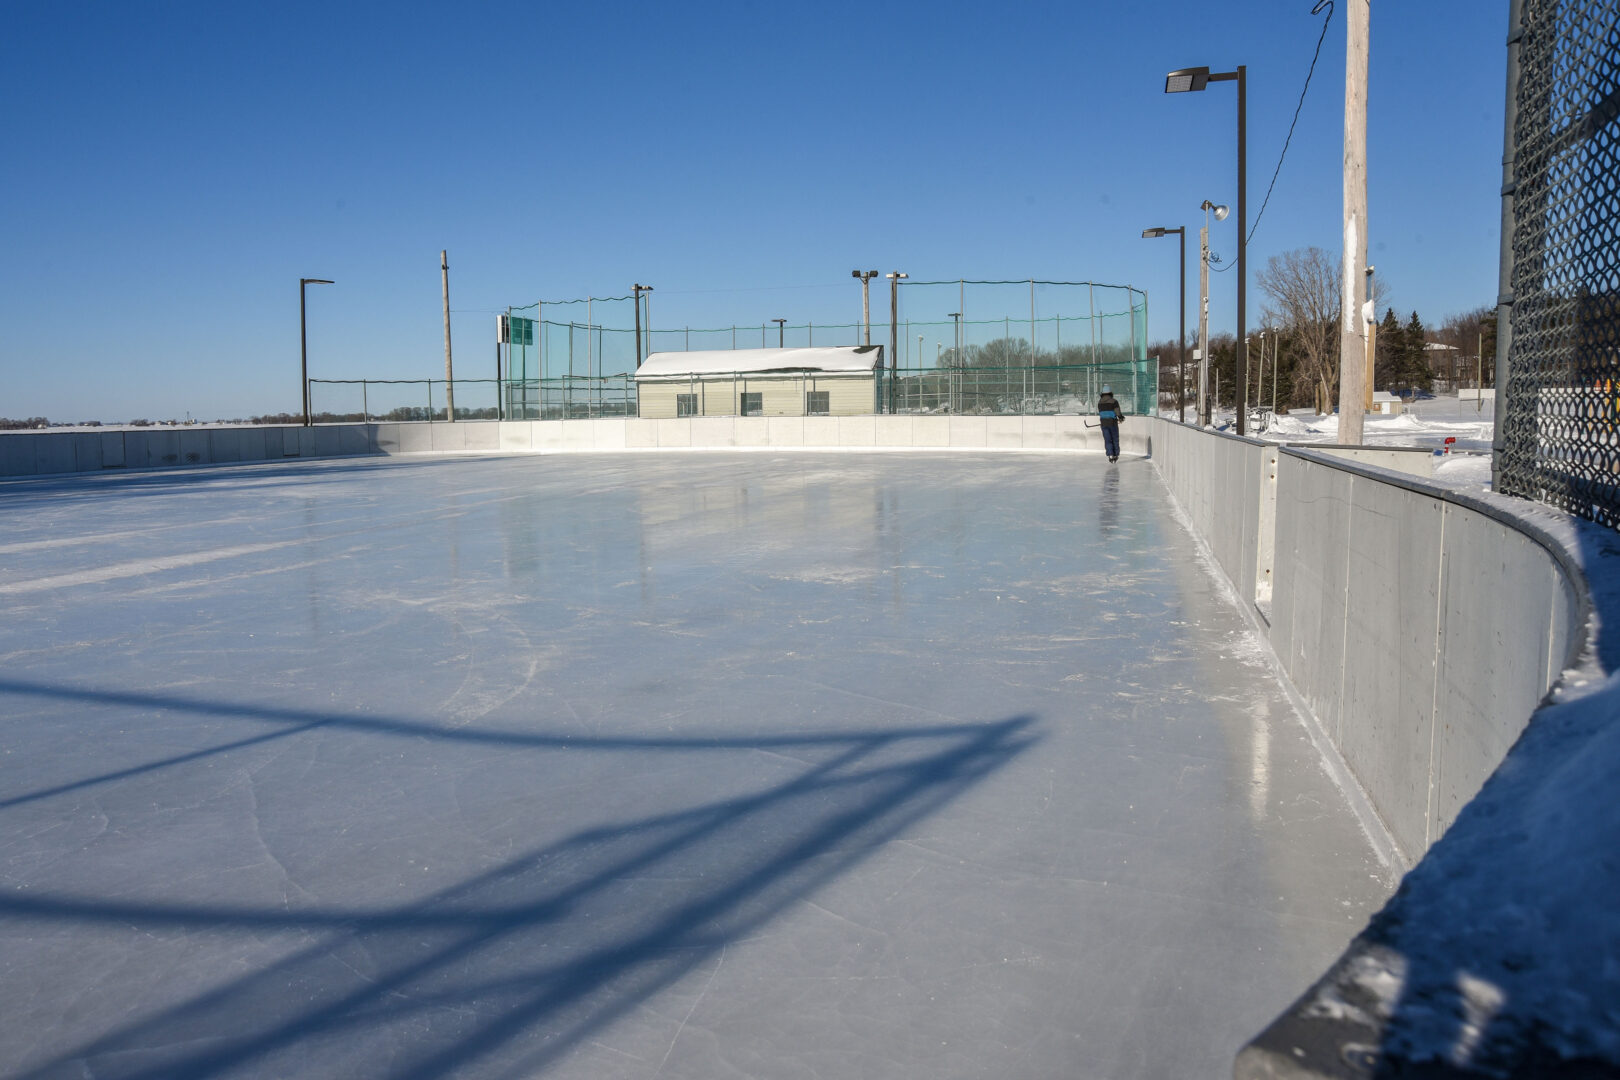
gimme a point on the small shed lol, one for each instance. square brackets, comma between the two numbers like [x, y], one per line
[819, 381]
[1387, 404]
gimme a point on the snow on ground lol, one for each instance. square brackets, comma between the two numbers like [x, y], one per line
[1464, 464]
[1426, 422]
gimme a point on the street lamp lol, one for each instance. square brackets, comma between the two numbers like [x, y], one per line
[779, 324]
[1181, 385]
[639, 289]
[956, 337]
[895, 277]
[303, 339]
[1189, 80]
[866, 307]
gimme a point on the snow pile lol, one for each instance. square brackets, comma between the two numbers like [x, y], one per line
[1508, 930]
[1464, 471]
[1292, 426]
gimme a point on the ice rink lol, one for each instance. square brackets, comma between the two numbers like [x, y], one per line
[693, 765]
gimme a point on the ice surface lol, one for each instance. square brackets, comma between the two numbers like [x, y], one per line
[629, 766]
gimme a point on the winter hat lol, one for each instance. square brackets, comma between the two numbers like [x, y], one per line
[1107, 389]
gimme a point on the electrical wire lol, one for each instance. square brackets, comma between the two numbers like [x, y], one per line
[1320, 4]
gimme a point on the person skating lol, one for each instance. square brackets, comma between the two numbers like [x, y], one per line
[1109, 415]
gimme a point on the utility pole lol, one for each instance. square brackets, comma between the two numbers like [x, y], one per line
[1354, 387]
[1203, 324]
[449, 372]
[780, 323]
[866, 305]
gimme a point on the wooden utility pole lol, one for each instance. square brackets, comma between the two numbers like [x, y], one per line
[449, 372]
[1203, 324]
[1352, 326]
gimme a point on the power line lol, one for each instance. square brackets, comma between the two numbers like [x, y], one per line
[1320, 4]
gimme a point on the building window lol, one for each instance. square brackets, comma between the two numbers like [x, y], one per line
[685, 404]
[816, 403]
[753, 404]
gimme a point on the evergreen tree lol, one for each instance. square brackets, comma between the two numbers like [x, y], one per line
[1391, 351]
[1415, 371]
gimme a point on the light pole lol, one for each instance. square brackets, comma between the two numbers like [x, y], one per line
[1203, 310]
[303, 339]
[639, 289]
[866, 306]
[779, 324]
[1260, 388]
[1276, 354]
[895, 277]
[1196, 79]
[1181, 383]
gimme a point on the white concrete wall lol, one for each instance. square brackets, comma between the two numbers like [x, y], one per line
[42, 453]
[1421, 627]
[47, 453]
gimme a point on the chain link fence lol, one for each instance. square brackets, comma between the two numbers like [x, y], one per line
[959, 346]
[1561, 422]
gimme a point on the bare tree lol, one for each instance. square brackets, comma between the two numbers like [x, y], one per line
[1303, 287]
[1472, 336]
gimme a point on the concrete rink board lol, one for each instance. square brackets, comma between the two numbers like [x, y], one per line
[686, 765]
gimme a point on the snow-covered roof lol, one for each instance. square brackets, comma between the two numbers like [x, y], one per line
[837, 358]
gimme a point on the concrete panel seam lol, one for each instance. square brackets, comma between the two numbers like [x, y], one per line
[1434, 686]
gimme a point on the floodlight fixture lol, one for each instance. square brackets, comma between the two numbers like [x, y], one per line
[1148, 234]
[1187, 80]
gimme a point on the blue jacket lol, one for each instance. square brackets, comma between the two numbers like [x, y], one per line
[1108, 410]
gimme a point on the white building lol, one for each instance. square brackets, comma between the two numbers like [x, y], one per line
[830, 381]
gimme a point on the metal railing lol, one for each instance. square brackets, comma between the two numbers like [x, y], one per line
[336, 401]
[969, 391]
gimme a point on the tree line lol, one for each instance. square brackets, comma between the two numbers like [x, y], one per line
[1300, 321]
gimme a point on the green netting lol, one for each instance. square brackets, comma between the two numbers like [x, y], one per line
[1029, 391]
[1067, 339]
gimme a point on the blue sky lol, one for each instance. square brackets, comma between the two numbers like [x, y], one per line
[171, 171]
